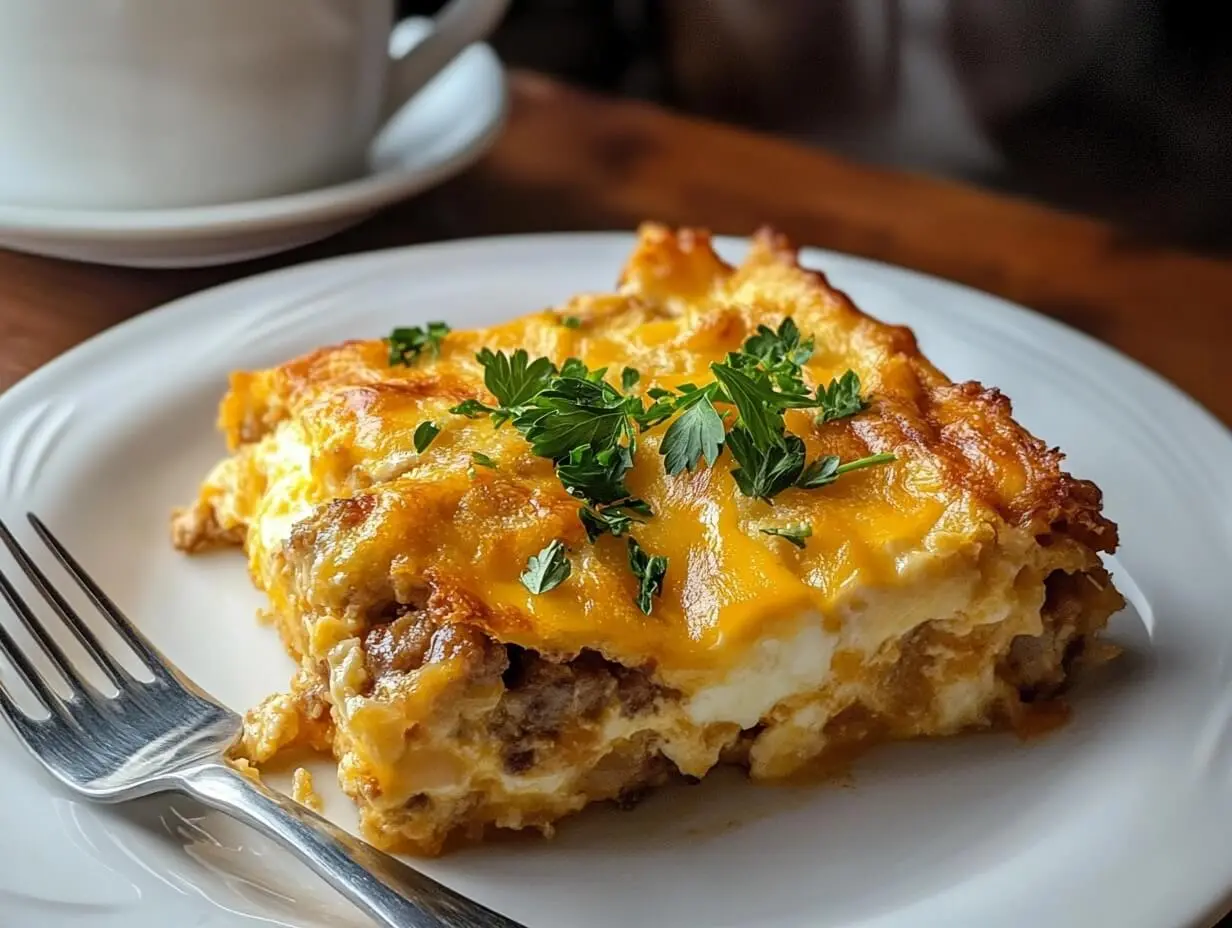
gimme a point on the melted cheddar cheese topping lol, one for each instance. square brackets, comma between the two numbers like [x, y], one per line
[337, 424]
[944, 591]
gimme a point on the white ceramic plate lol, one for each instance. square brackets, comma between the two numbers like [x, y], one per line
[443, 130]
[1121, 819]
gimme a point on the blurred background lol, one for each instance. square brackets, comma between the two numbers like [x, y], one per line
[1121, 108]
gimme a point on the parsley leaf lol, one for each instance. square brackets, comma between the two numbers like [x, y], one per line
[472, 409]
[826, 470]
[425, 432]
[782, 347]
[629, 378]
[570, 322]
[572, 413]
[649, 571]
[514, 380]
[617, 518]
[596, 476]
[774, 359]
[755, 401]
[546, 570]
[763, 381]
[662, 409]
[841, 398]
[822, 471]
[571, 416]
[795, 533]
[697, 433]
[576, 369]
[407, 343]
[765, 471]
[483, 460]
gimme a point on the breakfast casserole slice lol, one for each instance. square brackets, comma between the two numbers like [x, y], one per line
[717, 516]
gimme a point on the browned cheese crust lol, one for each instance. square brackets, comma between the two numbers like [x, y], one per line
[953, 589]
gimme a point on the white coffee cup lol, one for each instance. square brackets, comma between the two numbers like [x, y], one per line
[136, 104]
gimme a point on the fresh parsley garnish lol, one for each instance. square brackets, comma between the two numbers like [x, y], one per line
[696, 433]
[407, 343]
[663, 408]
[776, 348]
[570, 322]
[513, 380]
[573, 367]
[547, 570]
[583, 424]
[775, 360]
[793, 533]
[841, 398]
[424, 433]
[820, 472]
[472, 409]
[574, 412]
[825, 470]
[483, 460]
[765, 470]
[763, 381]
[649, 571]
[596, 476]
[589, 429]
[615, 519]
[761, 414]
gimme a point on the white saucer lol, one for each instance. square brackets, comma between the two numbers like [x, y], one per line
[443, 130]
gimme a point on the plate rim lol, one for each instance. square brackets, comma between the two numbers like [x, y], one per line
[811, 256]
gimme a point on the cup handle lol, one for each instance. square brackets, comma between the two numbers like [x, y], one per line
[455, 27]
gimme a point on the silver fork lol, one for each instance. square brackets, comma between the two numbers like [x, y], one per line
[168, 735]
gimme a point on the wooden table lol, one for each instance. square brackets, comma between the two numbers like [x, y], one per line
[569, 160]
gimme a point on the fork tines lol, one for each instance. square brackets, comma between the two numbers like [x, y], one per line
[80, 689]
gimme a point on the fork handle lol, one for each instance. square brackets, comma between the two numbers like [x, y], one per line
[388, 890]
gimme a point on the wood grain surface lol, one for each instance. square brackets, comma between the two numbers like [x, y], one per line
[569, 160]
